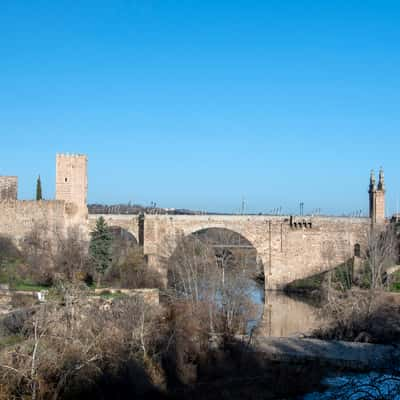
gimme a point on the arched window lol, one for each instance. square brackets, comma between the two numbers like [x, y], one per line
[357, 250]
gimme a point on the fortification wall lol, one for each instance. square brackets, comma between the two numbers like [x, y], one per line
[17, 218]
[8, 188]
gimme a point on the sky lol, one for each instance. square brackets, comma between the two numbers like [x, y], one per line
[200, 104]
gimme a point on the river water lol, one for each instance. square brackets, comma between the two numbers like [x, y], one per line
[280, 315]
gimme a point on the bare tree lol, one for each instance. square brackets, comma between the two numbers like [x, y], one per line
[70, 257]
[381, 253]
[37, 251]
[200, 276]
[328, 252]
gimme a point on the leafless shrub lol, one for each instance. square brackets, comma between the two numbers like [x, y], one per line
[20, 300]
[76, 340]
[8, 249]
[209, 303]
[70, 259]
[132, 271]
[37, 252]
[381, 253]
[359, 315]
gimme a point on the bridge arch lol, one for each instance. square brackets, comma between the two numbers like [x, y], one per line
[120, 233]
[231, 249]
[217, 260]
[231, 246]
[162, 234]
[122, 226]
[123, 241]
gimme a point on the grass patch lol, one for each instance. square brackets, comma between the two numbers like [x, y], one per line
[11, 340]
[395, 282]
[8, 271]
[25, 286]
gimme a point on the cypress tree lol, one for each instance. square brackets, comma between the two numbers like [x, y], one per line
[39, 189]
[100, 248]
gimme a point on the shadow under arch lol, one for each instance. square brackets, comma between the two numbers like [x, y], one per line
[232, 248]
[123, 241]
[123, 234]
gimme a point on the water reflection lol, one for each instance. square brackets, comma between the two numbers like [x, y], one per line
[279, 315]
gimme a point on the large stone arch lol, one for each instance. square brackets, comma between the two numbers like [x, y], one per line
[118, 232]
[288, 250]
[226, 238]
[247, 274]
[162, 234]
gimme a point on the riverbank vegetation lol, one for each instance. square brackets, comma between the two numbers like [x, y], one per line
[79, 346]
[359, 299]
[194, 345]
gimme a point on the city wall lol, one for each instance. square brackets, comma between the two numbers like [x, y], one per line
[18, 218]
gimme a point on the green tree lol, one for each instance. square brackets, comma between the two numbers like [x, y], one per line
[100, 248]
[39, 189]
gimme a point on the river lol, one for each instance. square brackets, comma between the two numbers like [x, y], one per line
[280, 315]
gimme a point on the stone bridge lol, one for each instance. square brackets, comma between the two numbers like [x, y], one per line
[289, 248]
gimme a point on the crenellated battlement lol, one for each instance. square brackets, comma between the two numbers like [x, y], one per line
[74, 155]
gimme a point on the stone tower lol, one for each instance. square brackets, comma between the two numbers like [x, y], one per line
[8, 188]
[71, 183]
[377, 198]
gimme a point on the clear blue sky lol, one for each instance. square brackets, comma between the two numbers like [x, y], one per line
[197, 103]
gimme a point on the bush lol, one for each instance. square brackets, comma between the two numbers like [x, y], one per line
[361, 315]
[78, 352]
[132, 273]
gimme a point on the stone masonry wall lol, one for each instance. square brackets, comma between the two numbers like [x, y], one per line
[288, 251]
[17, 218]
[71, 183]
[8, 188]
[128, 222]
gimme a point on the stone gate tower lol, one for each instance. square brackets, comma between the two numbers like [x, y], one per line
[71, 183]
[377, 198]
